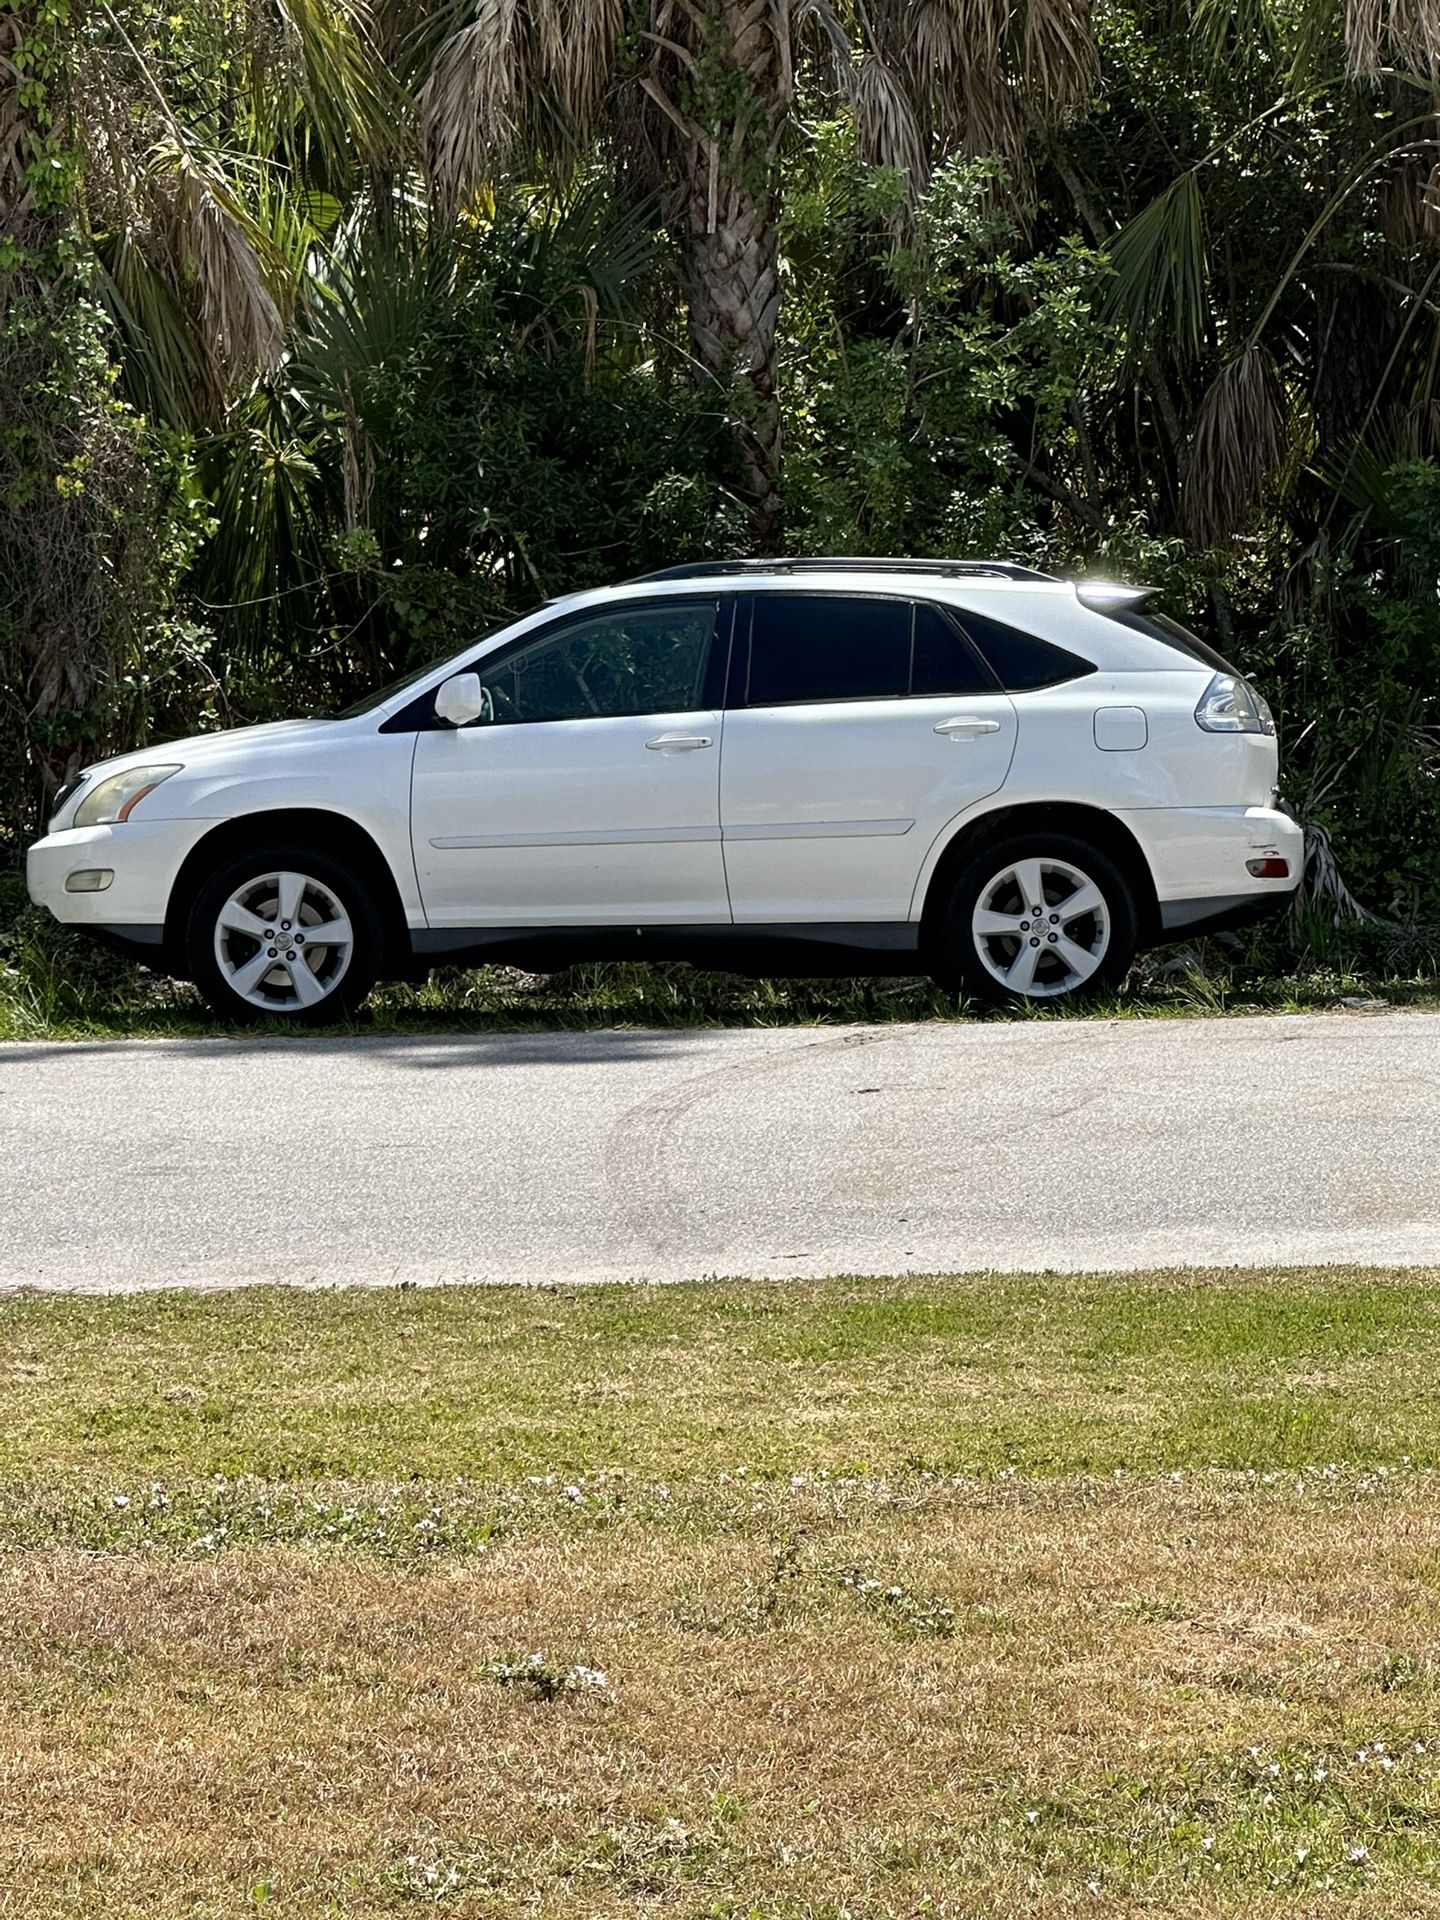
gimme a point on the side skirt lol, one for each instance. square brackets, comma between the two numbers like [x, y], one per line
[805, 948]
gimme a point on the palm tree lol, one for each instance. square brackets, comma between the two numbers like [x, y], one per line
[158, 183]
[697, 102]
[1306, 357]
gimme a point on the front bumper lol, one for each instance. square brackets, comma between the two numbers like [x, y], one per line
[144, 857]
[1198, 859]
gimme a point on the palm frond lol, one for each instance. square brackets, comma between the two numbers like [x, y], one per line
[221, 248]
[469, 101]
[1365, 23]
[171, 372]
[1226, 34]
[935, 46]
[1405, 33]
[886, 126]
[1159, 290]
[1060, 60]
[1408, 203]
[504, 76]
[331, 69]
[577, 41]
[1240, 446]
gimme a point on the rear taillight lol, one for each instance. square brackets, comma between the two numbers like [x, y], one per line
[1231, 705]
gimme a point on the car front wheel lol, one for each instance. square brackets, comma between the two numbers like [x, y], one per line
[1039, 919]
[285, 935]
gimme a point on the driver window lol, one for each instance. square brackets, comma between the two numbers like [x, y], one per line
[636, 659]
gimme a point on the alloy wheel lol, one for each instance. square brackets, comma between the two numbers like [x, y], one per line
[1041, 928]
[283, 942]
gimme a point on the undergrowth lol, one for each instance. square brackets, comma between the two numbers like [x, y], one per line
[56, 983]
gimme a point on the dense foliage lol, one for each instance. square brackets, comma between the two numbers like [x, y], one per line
[305, 375]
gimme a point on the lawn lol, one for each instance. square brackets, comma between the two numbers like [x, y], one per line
[960, 1596]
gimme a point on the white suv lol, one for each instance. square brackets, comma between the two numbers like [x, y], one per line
[971, 769]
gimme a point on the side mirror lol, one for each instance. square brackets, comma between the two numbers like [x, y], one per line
[461, 699]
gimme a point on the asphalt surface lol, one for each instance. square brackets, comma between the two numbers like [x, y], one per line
[677, 1155]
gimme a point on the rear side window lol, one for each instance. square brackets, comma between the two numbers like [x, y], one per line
[1020, 661]
[944, 661]
[807, 648]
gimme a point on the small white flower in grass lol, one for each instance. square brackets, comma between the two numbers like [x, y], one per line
[1302, 1854]
[1207, 1845]
[121, 1500]
[1357, 1854]
[1274, 1769]
[589, 1679]
[1386, 1763]
[1092, 1886]
[1033, 1816]
[1419, 1746]
[1322, 1774]
[574, 1493]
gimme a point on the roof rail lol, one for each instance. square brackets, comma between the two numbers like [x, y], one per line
[846, 563]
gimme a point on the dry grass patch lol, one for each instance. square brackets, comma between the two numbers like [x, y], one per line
[1196, 1696]
[971, 1597]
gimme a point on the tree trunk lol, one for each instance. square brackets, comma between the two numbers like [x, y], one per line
[731, 242]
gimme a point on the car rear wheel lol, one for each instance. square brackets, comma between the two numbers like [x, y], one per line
[285, 935]
[1038, 919]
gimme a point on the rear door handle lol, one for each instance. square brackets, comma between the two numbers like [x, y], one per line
[678, 743]
[966, 726]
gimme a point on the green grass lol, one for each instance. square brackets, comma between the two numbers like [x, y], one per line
[1048, 1375]
[54, 984]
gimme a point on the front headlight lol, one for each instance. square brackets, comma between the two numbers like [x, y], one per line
[113, 799]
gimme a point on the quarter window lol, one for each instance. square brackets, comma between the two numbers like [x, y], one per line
[638, 659]
[1018, 660]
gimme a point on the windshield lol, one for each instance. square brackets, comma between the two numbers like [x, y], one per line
[368, 702]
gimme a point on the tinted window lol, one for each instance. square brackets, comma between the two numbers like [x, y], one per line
[819, 646]
[638, 659]
[1018, 660]
[944, 661]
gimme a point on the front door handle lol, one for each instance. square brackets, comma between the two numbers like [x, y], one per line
[678, 743]
[967, 726]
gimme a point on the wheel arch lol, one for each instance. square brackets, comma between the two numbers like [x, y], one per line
[317, 827]
[1094, 824]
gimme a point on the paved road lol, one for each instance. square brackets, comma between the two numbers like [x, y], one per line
[676, 1155]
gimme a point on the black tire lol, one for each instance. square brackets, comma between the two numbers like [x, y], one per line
[219, 958]
[1108, 935]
